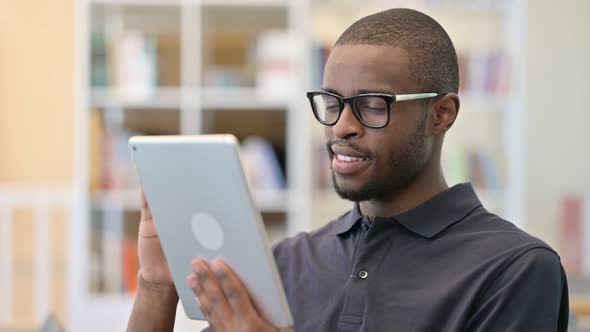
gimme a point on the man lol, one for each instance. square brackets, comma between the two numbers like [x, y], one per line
[412, 254]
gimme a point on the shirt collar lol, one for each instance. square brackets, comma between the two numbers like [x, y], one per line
[441, 211]
[344, 223]
[429, 218]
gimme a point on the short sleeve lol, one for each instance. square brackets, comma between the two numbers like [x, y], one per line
[530, 295]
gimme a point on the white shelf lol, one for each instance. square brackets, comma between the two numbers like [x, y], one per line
[128, 199]
[248, 3]
[162, 98]
[239, 99]
[143, 2]
[235, 98]
[216, 3]
[125, 199]
[271, 200]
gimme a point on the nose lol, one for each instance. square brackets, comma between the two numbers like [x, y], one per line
[348, 126]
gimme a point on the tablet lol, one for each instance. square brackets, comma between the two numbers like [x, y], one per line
[201, 206]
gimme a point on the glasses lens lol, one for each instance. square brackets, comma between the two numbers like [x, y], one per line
[372, 110]
[327, 108]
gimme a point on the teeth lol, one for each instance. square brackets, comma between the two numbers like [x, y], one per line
[348, 158]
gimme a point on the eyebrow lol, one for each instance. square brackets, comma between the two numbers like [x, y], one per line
[359, 92]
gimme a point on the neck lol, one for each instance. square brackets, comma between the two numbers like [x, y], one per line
[426, 185]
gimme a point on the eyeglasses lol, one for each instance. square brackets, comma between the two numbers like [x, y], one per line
[373, 110]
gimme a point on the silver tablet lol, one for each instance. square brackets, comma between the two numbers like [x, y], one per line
[201, 206]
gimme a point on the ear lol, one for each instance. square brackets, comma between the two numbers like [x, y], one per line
[445, 112]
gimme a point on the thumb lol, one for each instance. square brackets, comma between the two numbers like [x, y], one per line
[147, 227]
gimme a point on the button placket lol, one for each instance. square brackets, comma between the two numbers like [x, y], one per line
[372, 247]
[363, 274]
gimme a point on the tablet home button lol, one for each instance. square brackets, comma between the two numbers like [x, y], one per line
[207, 231]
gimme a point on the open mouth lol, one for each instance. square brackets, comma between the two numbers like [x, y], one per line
[347, 161]
[344, 158]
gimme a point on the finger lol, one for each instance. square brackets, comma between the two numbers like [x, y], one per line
[203, 303]
[234, 290]
[216, 323]
[146, 213]
[147, 228]
[194, 284]
[144, 203]
[211, 290]
[209, 297]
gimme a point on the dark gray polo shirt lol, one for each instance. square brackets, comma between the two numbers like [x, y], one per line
[447, 265]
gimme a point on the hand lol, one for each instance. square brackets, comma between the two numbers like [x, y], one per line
[153, 266]
[224, 300]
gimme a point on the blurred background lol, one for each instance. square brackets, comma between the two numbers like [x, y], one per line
[78, 78]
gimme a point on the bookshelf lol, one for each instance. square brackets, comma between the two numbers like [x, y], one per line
[180, 67]
[209, 66]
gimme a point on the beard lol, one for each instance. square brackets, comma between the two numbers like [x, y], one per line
[401, 169]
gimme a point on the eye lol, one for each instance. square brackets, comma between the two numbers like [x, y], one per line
[371, 104]
[370, 108]
[332, 107]
[328, 103]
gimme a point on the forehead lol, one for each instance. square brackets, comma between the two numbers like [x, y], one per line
[351, 69]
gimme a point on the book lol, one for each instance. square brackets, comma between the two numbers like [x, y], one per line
[275, 62]
[319, 57]
[261, 165]
[168, 59]
[129, 264]
[572, 234]
[111, 165]
[99, 70]
[135, 66]
[96, 133]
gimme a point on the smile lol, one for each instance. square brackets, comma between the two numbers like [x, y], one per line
[349, 158]
[348, 166]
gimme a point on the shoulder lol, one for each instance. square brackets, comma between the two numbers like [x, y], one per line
[506, 265]
[484, 246]
[537, 270]
[543, 261]
[486, 231]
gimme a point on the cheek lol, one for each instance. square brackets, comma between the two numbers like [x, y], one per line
[327, 133]
[394, 142]
[383, 146]
[393, 137]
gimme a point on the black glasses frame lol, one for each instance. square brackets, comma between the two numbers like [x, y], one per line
[342, 101]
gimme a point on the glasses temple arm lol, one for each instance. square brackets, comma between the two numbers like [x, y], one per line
[415, 96]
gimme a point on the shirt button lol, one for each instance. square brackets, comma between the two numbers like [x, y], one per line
[363, 274]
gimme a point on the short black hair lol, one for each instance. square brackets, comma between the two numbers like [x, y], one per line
[433, 60]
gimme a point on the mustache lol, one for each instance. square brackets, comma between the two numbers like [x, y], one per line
[349, 145]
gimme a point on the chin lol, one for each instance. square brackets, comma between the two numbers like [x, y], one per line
[357, 190]
[351, 192]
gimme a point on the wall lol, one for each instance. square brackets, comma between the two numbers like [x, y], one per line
[557, 115]
[36, 94]
[36, 119]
